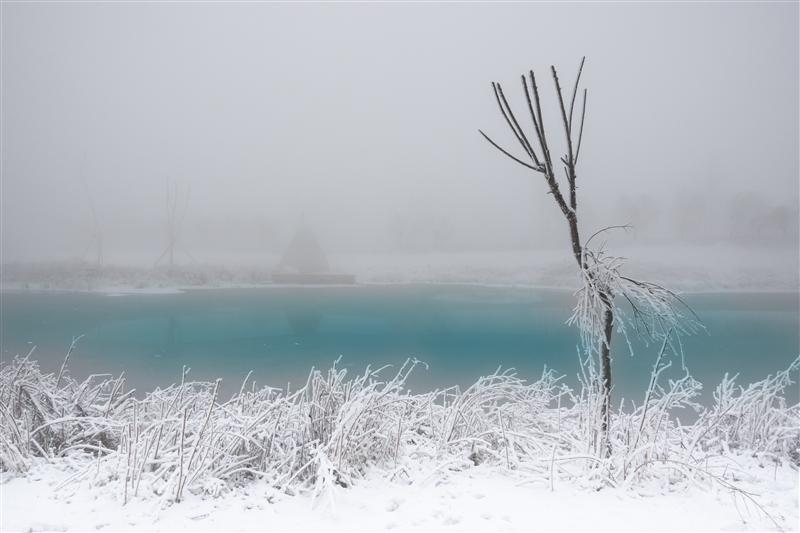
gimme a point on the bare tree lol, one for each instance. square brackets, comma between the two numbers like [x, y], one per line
[97, 233]
[655, 312]
[174, 220]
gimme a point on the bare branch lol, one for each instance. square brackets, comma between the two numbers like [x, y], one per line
[626, 227]
[505, 109]
[519, 130]
[570, 158]
[533, 114]
[580, 132]
[574, 92]
[542, 136]
[523, 163]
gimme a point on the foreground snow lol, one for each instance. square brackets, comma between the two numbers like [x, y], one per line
[362, 452]
[418, 496]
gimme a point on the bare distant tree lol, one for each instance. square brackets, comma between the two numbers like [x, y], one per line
[97, 233]
[174, 220]
[655, 312]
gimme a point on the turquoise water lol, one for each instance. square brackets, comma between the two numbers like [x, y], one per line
[462, 332]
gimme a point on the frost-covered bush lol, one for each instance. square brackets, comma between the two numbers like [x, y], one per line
[755, 418]
[335, 428]
[47, 415]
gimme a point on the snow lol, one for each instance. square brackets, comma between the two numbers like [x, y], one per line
[478, 498]
[686, 268]
[680, 268]
[502, 454]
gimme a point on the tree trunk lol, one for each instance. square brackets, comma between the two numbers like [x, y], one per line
[605, 348]
[605, 361]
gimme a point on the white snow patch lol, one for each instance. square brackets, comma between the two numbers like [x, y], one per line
[482, 498]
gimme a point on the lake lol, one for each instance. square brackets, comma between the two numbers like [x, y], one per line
[462, 332]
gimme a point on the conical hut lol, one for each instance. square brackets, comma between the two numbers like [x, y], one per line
[304, 254]
[304, 262]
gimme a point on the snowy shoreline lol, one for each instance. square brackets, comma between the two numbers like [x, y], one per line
[362, 453]
[119, 291]
[684, 269]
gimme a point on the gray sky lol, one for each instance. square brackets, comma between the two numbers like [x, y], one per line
[363, 118]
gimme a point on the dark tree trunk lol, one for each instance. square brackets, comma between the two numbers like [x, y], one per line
[605, 361]
[605, 347]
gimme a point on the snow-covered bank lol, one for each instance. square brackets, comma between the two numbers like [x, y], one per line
[460, 497]
[686, 269]
[362, 452]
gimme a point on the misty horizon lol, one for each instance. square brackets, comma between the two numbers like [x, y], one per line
[361, 120]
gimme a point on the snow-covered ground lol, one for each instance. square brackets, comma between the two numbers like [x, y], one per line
[686, 268]
[421, 497]
[362, 454]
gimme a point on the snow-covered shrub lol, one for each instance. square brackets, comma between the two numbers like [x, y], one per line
[46, 414]
[333, 429]
[755, 418]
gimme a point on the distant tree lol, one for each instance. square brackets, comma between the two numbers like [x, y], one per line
[442, 231]
[97, 233]
[778, 224]
[175, 214]
[397, 231]
[691, 215]
[747, 211]
[641, 210]
[267, 232]
[654, 312]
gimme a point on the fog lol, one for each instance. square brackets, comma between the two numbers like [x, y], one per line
[362, 119]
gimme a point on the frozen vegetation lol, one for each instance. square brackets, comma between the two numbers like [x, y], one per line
[361, 451]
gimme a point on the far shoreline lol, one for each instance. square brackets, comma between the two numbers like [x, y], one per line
[124, 290]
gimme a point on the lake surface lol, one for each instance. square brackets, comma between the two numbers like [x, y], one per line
[462, 332]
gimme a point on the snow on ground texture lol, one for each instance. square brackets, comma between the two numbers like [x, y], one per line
[482, 498]
[362, 452]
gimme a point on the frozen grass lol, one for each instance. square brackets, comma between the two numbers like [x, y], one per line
[184, 440]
